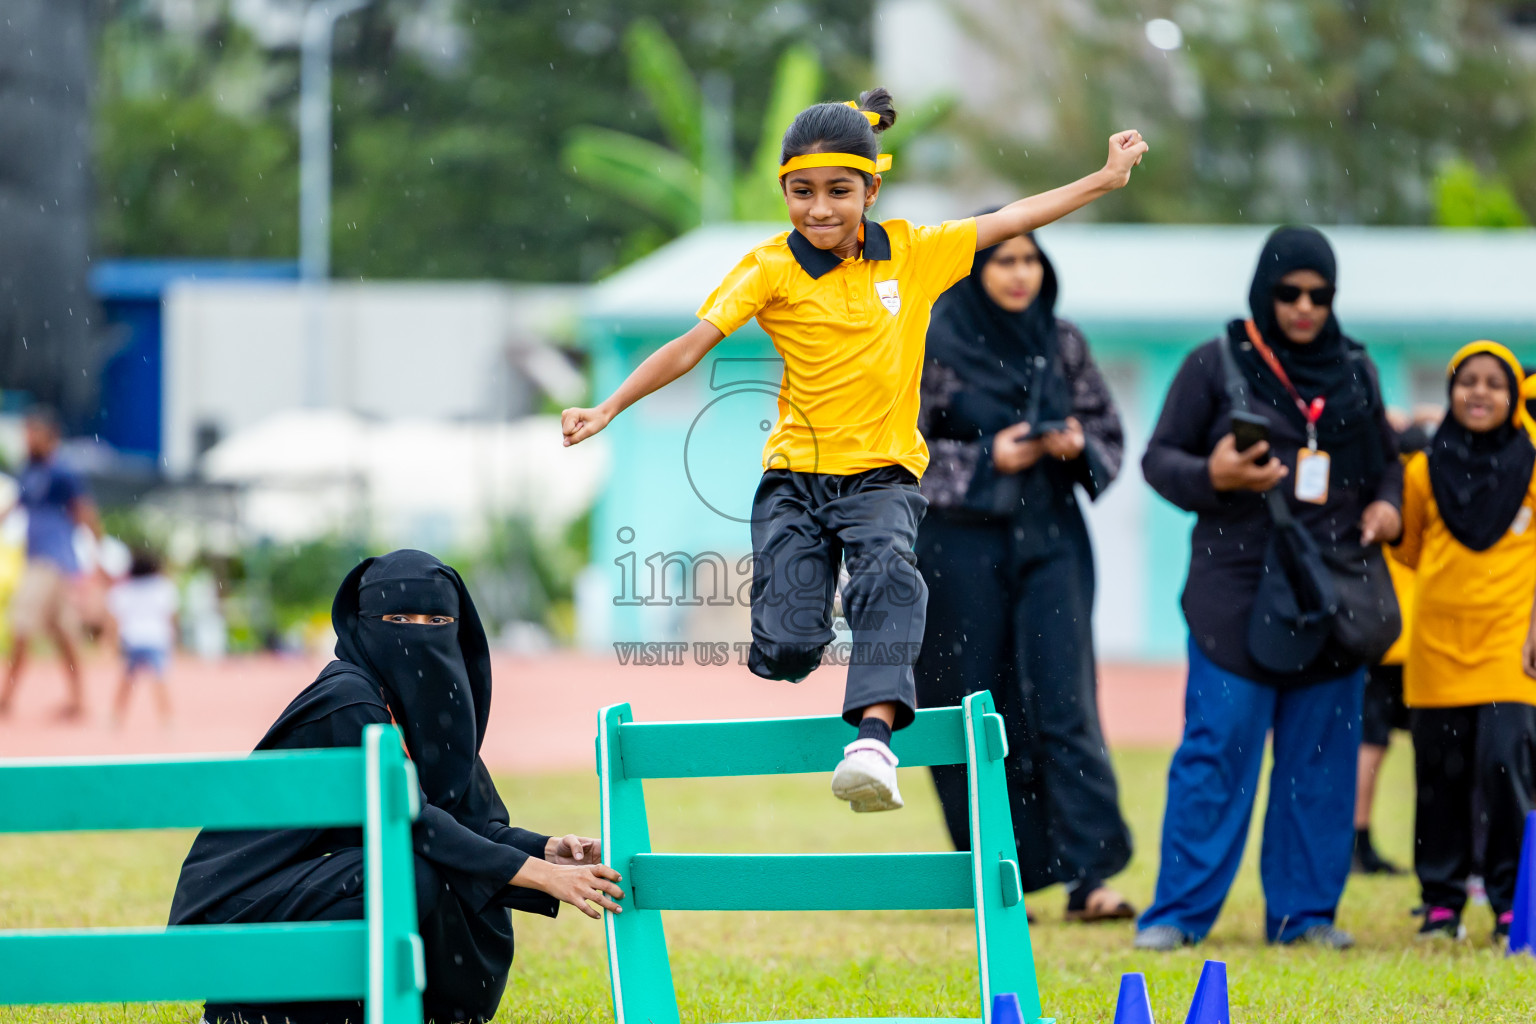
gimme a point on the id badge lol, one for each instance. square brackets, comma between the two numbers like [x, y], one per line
[1312, 476]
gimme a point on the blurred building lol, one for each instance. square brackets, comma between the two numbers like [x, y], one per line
[131, 292]
[237, 352]
[405, 412]
[52, 341]
[670, 532]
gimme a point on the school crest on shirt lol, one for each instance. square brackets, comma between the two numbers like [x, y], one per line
[889, 296]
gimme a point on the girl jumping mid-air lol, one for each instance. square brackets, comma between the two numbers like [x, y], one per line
[846, 302]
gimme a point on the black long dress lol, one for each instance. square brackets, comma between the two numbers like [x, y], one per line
[435, 682]
[1010, 574]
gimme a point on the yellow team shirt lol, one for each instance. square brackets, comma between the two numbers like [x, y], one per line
[851, 333]
[1471, 609]
[1402, 586]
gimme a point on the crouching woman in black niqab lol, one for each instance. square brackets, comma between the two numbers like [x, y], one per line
[410, 650]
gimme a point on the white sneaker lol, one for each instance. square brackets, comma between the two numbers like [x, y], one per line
[866, 777]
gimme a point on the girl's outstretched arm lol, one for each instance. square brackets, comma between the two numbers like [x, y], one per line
[1125, 150]
[660, 368]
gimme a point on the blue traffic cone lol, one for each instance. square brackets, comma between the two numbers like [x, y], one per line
[1133, 1006]
[1210, 1002]
[1522, 930]
[1006, 1010]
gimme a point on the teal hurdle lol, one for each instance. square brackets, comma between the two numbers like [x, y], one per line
[985, 880]
[378, 959]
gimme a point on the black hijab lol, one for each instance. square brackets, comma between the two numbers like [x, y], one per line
[1332, 365]
[436, 680]
[1008, 361]
[1480, 480]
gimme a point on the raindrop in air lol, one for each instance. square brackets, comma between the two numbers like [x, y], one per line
[1164, 34]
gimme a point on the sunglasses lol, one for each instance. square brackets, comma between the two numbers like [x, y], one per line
[1289, 293]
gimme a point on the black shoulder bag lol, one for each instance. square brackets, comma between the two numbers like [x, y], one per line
[1309, 593]
[1294, 608]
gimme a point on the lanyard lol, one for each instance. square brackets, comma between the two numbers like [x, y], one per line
[1310, 411]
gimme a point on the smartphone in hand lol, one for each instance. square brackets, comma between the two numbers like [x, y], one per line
[1248, 429]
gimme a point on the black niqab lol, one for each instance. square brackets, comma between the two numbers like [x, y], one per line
[1332, 365]
[436, 679]
[1009, 361]
[1480, 480]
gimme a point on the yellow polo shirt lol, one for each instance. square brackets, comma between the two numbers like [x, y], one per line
[851, 333]
[1471, 609]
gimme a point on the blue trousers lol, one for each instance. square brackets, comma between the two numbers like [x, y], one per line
[1309, 825]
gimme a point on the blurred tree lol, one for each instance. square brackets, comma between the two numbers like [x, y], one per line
[1464, 198]
[676, 185]
[192, 158]
[450, 117]
[1340, 111]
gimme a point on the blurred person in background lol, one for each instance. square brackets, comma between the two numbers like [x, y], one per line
[1470, 676]
[1384, 710]
[143, 608]
[1314, 390]
[1017, 417]
[56, 500]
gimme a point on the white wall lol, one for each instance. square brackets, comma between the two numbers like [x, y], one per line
[1116, 523]
[237, 352]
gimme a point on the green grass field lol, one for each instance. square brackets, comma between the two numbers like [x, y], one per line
[764, 966]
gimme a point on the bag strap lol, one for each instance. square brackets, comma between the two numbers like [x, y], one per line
[395, 723]
[1237, 394]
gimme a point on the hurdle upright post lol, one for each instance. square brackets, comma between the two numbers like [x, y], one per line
[397, 968]
[639, 972]
[1005, 957]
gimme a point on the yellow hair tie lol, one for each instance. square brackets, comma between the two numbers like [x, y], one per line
[874, 118]
[859, 163]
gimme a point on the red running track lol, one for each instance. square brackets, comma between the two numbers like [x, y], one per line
[543, 717]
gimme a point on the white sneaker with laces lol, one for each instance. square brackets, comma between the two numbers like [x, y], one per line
[866, 777]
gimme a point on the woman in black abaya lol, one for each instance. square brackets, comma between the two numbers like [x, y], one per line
[1017, 417]
[410, 650]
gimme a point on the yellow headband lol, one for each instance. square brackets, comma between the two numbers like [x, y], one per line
[1505, 356]
[878, 165]
[858, 163]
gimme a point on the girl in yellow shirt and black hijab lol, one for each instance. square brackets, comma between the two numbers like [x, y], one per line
[846, 302]
[1470, 675]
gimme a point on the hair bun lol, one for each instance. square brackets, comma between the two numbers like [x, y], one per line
[878, 101]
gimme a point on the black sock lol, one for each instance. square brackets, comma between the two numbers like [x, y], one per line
[875, 729]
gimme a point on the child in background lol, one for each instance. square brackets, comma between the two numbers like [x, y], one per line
[1470, 677]
[144, 607]
[846, 301]
[1384, 709]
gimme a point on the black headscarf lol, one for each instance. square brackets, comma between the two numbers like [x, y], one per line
[436, 679]
[1009, 361]
[1480, 479]
[1332, 365]
[435, 683]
